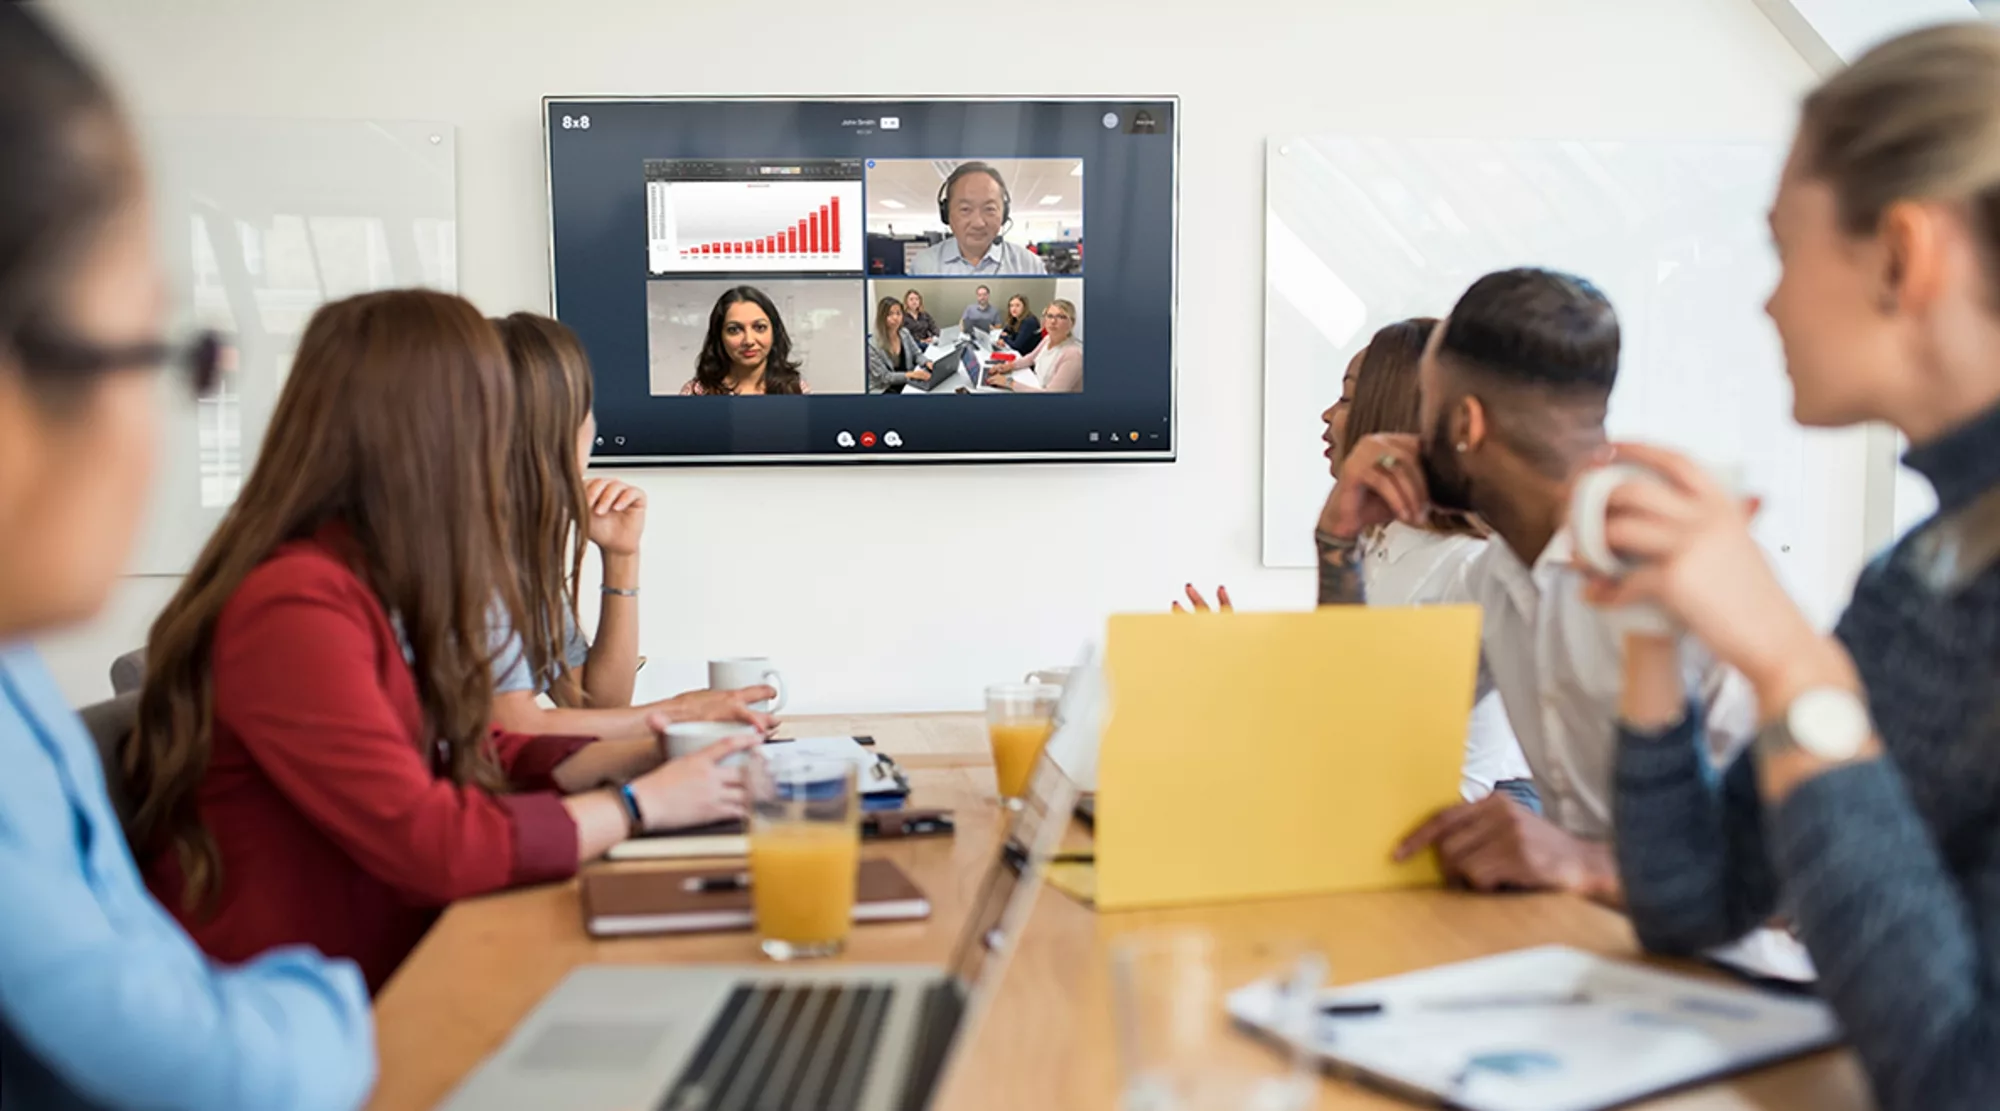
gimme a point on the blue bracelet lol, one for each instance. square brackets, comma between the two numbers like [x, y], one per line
[632, 809]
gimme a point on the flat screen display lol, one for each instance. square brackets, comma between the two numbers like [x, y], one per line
[869, 280]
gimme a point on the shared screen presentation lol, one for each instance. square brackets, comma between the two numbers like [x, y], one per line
[696, 243]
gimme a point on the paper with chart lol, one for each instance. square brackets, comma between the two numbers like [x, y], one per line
[1551, 1029]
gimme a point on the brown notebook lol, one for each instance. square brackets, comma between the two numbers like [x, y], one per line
[621, 903]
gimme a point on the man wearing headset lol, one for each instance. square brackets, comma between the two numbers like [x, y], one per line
[975, 204]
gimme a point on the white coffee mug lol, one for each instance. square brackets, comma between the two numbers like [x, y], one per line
[685, 738]
[748, 671]
[1589, 498]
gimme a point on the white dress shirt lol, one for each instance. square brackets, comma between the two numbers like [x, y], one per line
[1558, 663]
[1404, 566]
[1001, 257]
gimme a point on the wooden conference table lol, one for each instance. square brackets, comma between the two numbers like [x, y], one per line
[1047, 1042]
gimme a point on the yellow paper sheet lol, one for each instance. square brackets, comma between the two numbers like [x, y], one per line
[1259, 755]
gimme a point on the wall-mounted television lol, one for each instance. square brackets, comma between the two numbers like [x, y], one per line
[864, 280]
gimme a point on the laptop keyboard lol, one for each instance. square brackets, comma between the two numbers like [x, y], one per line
[785, 1047]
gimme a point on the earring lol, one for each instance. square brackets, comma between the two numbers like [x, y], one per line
[1463, 447]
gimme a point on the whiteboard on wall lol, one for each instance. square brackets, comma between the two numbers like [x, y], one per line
[259, 223]
[1363, 231]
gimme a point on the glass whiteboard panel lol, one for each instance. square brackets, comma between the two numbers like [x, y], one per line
[261, 222]
[1364, 231]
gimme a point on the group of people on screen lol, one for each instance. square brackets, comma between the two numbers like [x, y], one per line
[341, 731]
[1032, 358]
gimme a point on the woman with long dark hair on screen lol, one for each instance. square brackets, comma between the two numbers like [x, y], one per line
[105, 1003]
[557, 514]
[314, 761]
[747, 350]
[894, 359]
[919, 322]
[1020, 330]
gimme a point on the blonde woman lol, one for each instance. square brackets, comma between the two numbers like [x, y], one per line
[1059, 357]
[1867, 808]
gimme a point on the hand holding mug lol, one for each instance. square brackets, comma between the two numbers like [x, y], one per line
[1382, 480]
[696, 789]
[1673, 536]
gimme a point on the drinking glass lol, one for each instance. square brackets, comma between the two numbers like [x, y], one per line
[805, 853]
[1019, 717]
[1177, 1047]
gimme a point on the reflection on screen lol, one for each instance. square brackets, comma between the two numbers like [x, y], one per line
[1027, 833]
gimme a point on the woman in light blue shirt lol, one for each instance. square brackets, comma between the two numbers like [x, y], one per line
[104, 1001]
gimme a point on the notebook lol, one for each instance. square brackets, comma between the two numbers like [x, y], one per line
[625, 903]
[1545, 1029]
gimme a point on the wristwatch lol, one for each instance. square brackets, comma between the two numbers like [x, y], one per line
[1826, 723]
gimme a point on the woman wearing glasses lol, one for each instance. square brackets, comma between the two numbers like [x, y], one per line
[1058, 358]
[104, 1001]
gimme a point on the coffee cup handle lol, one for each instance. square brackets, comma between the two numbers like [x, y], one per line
[1588, 503]
[773, 679]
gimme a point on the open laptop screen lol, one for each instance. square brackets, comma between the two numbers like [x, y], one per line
[1031, 836]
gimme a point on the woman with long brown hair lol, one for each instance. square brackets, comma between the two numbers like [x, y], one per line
[557, 514]
[105, 1003]
[895, 358]
[313, 761]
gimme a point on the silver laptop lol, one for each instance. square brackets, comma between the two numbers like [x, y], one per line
[723, 1038]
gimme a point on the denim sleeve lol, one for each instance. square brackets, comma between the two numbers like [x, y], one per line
[129, 1013]
[1521, 791]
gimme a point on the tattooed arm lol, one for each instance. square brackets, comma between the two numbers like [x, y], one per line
[1340, 582]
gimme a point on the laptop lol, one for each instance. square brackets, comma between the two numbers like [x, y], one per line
[723, 1038]
[947, 366]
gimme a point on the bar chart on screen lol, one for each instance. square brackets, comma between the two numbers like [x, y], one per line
[746, 216]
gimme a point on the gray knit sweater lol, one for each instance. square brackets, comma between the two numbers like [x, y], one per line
[1890, 868]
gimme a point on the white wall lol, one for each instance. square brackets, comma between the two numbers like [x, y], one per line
[910, 589]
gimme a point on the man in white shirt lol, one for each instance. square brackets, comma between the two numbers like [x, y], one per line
[975, 204]
[1514, 385]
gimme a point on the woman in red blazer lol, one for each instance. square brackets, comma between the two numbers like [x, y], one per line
[313, 762]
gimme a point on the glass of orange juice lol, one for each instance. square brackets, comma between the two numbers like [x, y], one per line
[805, 851]
[1019, 717]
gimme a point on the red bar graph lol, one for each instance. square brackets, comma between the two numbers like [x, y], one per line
[816, 235]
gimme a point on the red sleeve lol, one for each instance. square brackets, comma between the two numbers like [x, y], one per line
[530, 761]
[295, 677]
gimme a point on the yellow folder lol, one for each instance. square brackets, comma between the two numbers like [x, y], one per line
[1252, 755]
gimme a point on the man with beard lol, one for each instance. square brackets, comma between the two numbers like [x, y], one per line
[1514, 389]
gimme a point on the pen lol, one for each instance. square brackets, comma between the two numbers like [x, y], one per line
[1348, 1009]
[706, 885]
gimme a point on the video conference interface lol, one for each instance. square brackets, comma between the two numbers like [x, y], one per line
[797, 280]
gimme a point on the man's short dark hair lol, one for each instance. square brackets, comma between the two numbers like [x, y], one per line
[1536, 327]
